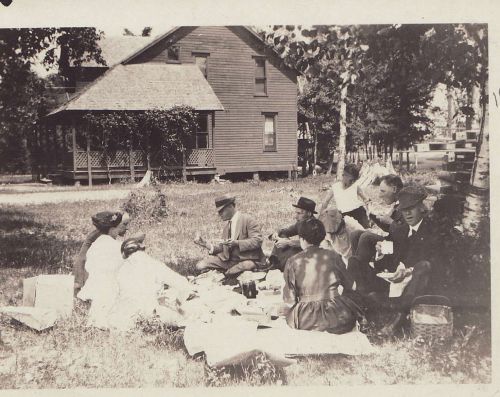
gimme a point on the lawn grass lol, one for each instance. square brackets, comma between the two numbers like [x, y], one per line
[44, 238]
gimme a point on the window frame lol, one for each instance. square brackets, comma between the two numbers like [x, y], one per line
[206, 133]
[265, 93]
[202, 54]
[265, 148]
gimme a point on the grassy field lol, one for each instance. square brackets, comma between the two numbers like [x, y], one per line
[44, 238]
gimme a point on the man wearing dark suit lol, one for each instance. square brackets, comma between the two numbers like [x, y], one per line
[414, 249]
[284, 246]
[241, 248]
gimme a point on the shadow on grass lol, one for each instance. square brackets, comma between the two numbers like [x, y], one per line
[25, 242]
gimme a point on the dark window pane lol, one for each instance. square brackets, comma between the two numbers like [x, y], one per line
[173, 53]
[202, 123]
[202, 141]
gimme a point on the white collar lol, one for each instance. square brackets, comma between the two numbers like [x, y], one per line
[414, 229]
[235, 217]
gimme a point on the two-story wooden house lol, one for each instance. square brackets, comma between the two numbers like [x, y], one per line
[245, 96]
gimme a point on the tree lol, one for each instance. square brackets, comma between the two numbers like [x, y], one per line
[331, 54]
[22, 97]
[170, 130]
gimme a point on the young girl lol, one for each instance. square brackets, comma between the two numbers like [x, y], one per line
[348, 196]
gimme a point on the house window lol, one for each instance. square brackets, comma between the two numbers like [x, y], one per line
[260, 76]
[173, 54]
[269, 132]
[201, 59]
[202, 141]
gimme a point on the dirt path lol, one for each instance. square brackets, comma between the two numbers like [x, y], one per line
[61, 197]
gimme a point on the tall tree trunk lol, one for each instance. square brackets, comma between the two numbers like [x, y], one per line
[477, 195]
[449, 118]
[315, 153]
[343, 132]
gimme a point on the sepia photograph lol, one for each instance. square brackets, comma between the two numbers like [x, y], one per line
[220, 205]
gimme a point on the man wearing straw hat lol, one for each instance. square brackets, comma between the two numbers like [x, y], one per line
[241, 248]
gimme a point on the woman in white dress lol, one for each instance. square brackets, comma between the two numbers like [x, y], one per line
[348, 196]
[102, 264]
[146, 286]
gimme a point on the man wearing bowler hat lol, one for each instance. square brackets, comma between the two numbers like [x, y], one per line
[241, 248]
[284, 246]
[413, 258]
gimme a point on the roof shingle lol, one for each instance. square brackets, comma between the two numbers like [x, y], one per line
[145, 87]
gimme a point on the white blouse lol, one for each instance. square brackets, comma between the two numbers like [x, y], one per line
[346, 199]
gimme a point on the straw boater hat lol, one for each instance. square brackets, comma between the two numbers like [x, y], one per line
[223, 201]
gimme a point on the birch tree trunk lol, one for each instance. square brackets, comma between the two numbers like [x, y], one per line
[477, 197]
[343, 132]
[449, 118]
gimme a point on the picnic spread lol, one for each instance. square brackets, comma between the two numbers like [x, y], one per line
[238, 328]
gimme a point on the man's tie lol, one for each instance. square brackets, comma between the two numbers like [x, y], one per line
[229, 229]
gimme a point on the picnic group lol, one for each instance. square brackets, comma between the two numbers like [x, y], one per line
[336, 266]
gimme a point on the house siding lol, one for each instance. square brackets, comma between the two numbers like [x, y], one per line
[238, 130]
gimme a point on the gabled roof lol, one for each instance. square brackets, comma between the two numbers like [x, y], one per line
[145, 87]
[116, 48]
[166, 35]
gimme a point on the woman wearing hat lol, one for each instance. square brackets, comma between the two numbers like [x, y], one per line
[313, 279]
[100, 222]
[348, 196]
[103, 259]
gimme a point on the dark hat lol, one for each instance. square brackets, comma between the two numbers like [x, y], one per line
[223, 201]
[106, 219]
[410, 196]
[133, 244]
[306, 204]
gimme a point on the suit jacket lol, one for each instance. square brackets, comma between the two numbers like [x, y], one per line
[249, 237]
[421, 246]
[396, 216]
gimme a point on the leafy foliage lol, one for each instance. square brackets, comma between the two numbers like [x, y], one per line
[169, 130]
[22, 95]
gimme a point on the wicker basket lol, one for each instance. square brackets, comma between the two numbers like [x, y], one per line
[431, 317]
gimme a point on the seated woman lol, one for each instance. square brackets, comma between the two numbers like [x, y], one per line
[348, 196]
[147, 286]
[79, 271]
[103, 260]
[313, 279]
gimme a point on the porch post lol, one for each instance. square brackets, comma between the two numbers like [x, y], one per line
[89, 161]
[131, 161]
[73, 135]
[184, 174]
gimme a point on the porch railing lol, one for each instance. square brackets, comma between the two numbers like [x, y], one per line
[121, 159]
[200, 157]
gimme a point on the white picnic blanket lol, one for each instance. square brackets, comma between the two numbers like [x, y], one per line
[232, 340]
